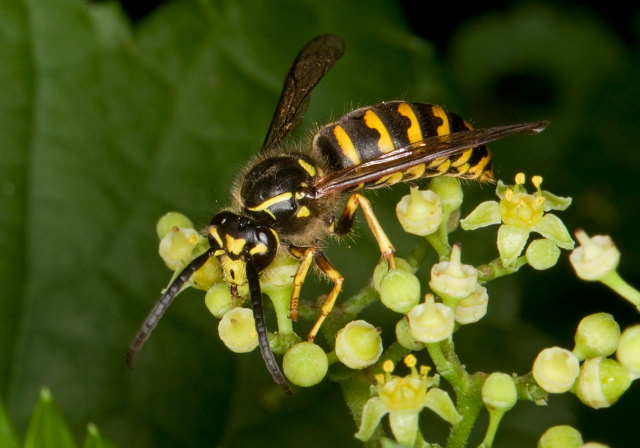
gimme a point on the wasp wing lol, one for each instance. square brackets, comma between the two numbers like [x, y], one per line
[312, 63]
[418, 153]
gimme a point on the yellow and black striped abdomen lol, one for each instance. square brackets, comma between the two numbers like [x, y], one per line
[369, 132]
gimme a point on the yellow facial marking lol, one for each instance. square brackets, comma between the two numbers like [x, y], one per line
[234, 270]
[216, 236]
[385, 144]
[307, 167]
[346, 145]
[439, 112]
[414, 133]
[259, 249]
[303, 212]
[233, 245]
[264, 207]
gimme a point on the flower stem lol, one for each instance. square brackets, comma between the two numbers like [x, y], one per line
[495, 415]
[441, 246]
[495, 269]
[615, 282]
[281, 298]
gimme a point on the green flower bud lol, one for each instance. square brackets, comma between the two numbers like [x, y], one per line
[209, 274]
[556, 369]
[237, 330]
[176, 248]
[454, 221]
[602, 381]
[305, 364]
[629, 350]
[404, 337]
[430, 321]
[280, 273]
[499, 392]
[542, 254]
[450, 192]
[474, 307]
[358, 344]
[561, 436]
[171, 220]
[597, 335]
[420, 212]
[452, 279]
[595, 257]
[219, 300]
[382, 269]
[400, 290]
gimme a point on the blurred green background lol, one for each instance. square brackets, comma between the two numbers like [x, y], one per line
[110, 117]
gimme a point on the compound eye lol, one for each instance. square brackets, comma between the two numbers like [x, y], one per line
[265, 249]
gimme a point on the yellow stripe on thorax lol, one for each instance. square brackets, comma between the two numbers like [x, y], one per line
[413, 132]
[385, 144]
[264, 207]
[346, 146]
[439, 112]
[307, 167]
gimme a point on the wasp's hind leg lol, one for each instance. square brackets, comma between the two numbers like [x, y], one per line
[306, 255]
[344, 224]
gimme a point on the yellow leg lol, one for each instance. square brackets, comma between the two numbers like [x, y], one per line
[305, 255]
[346, 221]
[329, 302]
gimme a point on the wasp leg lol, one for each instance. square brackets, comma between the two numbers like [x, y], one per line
[344, 224]
[305, 255]
[324, 265]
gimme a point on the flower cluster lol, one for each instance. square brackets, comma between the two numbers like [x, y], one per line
[598, 381]
[457, 296]
[403, 398]
[521, 213]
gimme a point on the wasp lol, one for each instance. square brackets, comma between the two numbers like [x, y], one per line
[287, 199]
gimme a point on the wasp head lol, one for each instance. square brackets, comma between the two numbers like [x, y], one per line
[238, 240]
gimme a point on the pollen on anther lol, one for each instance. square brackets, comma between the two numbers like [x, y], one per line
[508, 195]
[388, 366]
[536, 181]
[520, 178]
[410, 360]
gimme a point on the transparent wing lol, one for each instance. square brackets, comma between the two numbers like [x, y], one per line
[312, 63]
[418, 153]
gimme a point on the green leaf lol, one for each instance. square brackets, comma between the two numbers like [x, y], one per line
[48, 428]
[8, 437]
[95, 440]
